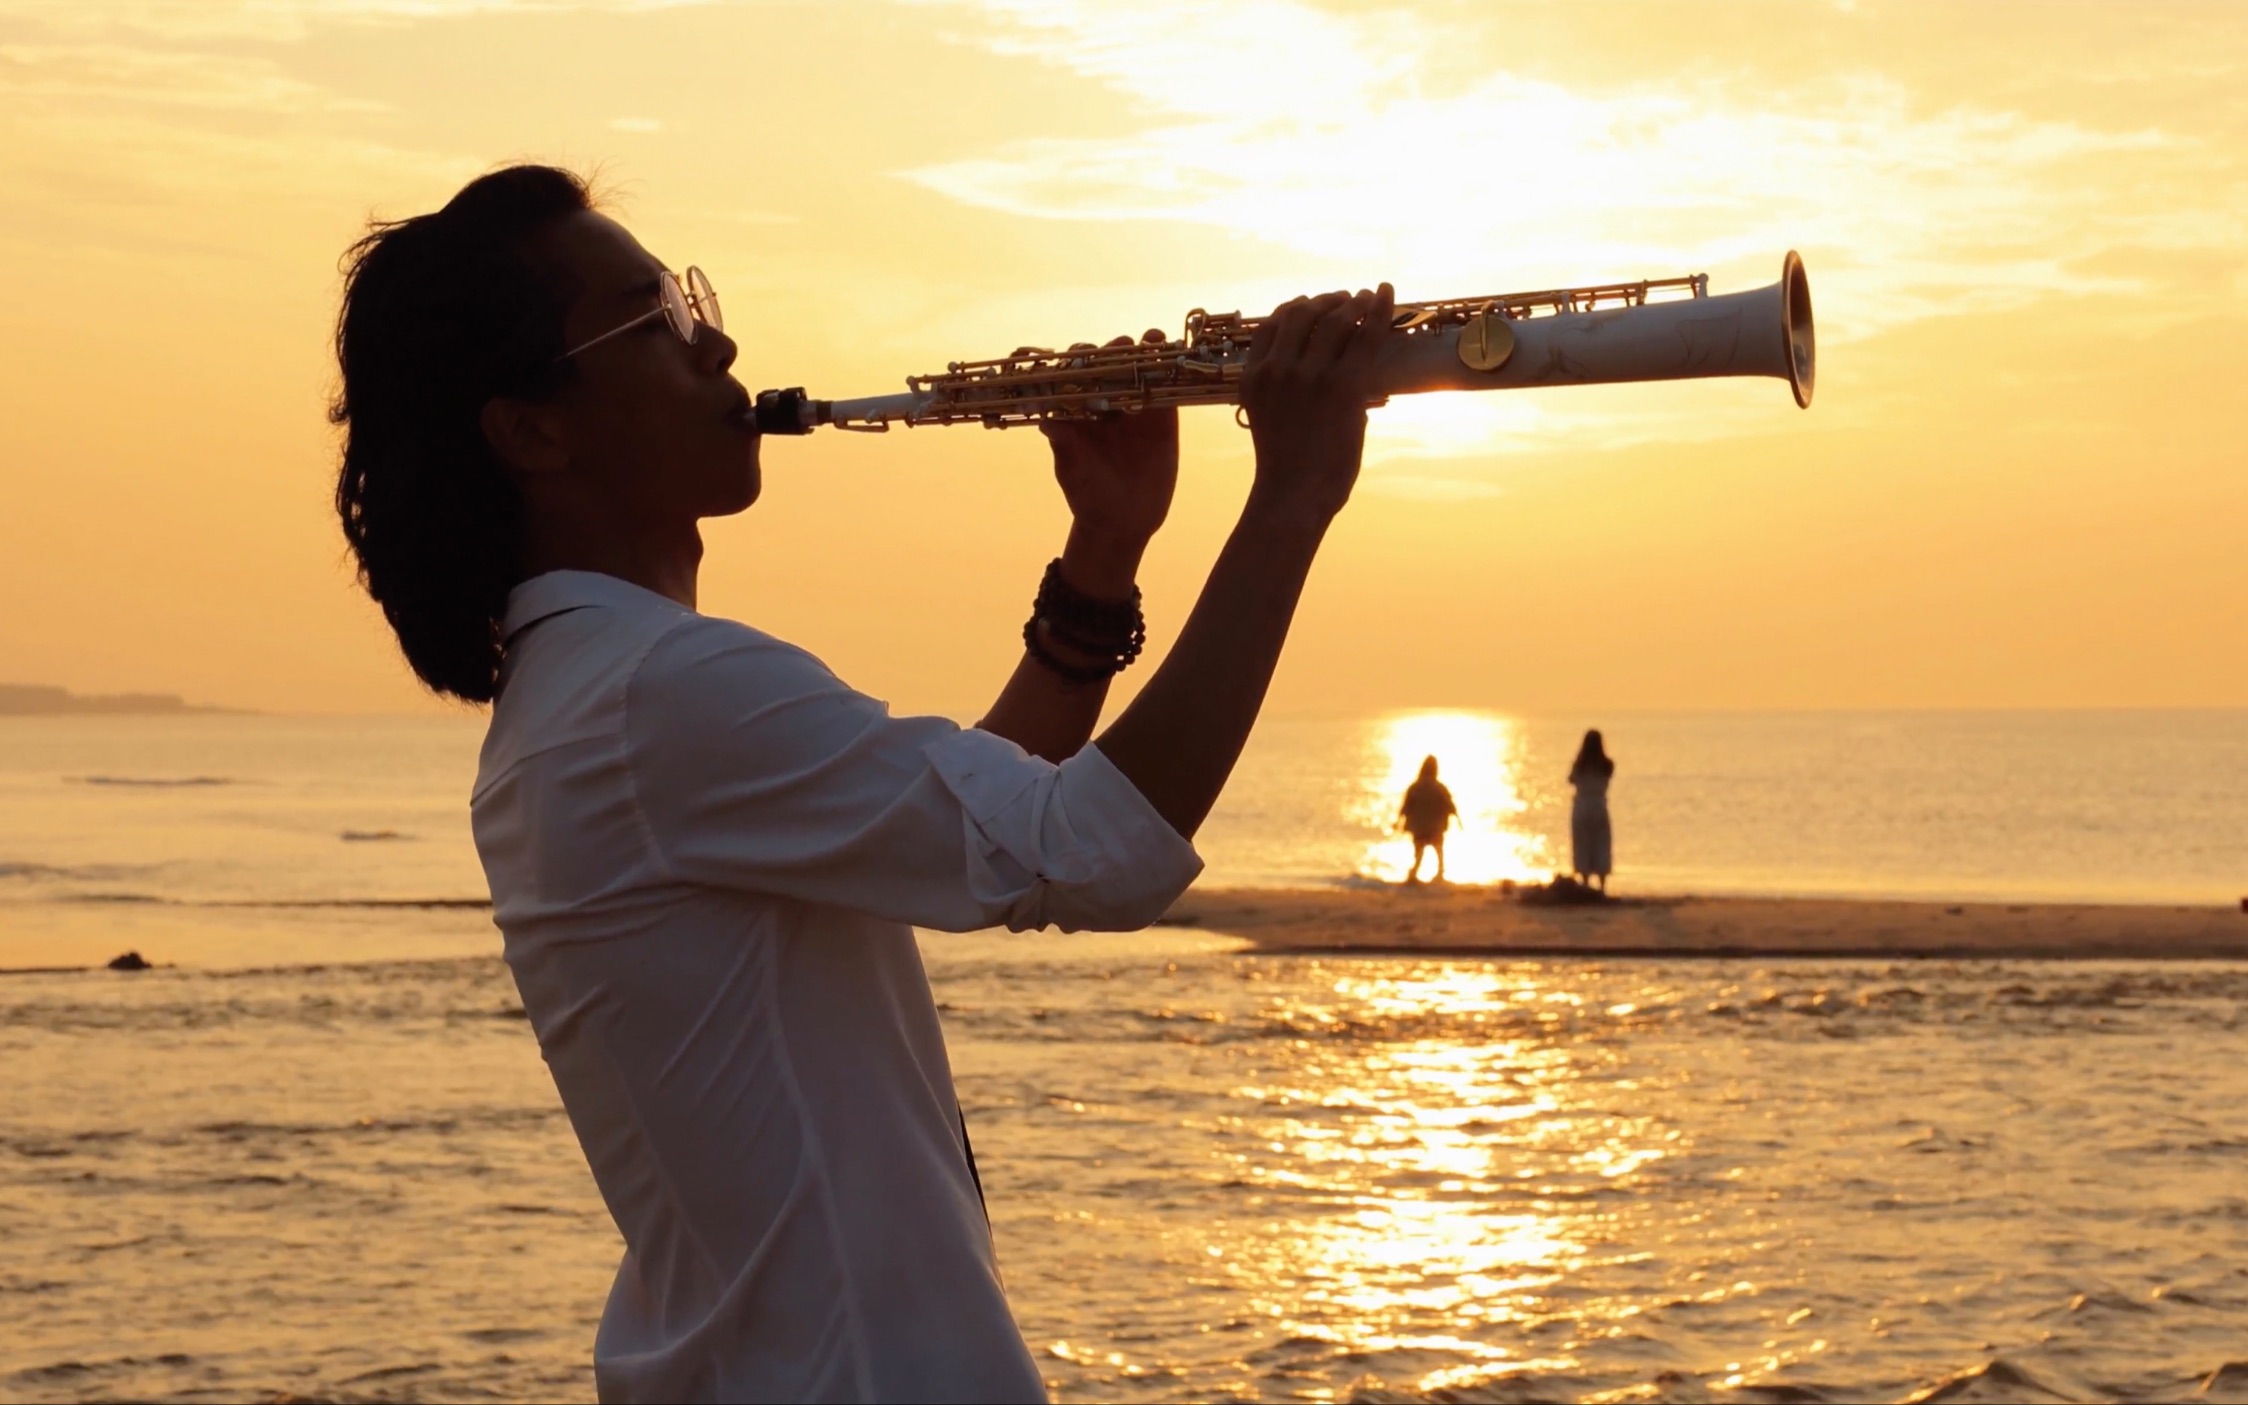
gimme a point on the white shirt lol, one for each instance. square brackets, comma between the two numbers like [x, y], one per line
[704, 853]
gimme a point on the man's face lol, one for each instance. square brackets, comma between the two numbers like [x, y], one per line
[655, 427]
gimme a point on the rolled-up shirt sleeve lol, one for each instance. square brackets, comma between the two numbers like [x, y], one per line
[754, 767]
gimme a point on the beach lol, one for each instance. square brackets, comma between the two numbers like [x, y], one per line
[1445, 919]
[1425, 920]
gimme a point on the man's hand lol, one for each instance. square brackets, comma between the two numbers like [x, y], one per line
[1312, 371]
[1310, 377]
[1118, 475]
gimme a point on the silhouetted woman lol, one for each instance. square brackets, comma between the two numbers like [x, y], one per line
[1589, 834]
[1427, 812]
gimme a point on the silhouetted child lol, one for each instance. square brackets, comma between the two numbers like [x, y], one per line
[1427, 812]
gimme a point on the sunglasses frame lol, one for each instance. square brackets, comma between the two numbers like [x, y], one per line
[688, 307]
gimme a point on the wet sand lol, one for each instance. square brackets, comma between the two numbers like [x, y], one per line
[1478, 920]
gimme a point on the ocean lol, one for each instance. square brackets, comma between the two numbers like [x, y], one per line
[2135, 807]
[315, 1153]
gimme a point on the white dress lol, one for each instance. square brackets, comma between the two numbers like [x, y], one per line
[1589, 834]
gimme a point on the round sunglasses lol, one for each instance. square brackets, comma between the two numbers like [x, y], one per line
[688, 306]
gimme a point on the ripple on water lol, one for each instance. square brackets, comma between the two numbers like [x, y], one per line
[1212, 1176]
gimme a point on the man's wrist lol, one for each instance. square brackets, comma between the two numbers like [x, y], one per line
[1294, 516]
[1103, 567]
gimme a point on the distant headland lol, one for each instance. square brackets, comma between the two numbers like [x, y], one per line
[39, 700]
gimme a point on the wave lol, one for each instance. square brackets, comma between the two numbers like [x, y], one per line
[108, 1146]
[1988, 1383]
[124, 899]
[79, 873]
[239, 1130]
[156, 782]
[1993, 1381]
[38, 875]
[461, 903]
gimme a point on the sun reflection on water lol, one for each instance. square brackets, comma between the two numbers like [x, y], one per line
[1479, 757]
[1447, 1165]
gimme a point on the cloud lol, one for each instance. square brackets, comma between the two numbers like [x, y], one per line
[118, 135]
[108, 74]
[1321, 133]
[752, 217]
[275, 19]
[1368, 147]
[1383, 481]
[1451, 446]
[130, 172]
[149, 153]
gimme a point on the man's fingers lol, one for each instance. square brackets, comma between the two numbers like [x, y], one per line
[1373, 330]
[1332, 332]
[1289, 327]
[1159, 424]
[1268, 332]
[1320, 312]
[1067, 435]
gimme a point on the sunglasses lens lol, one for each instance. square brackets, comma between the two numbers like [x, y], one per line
[675, 308]
[704, 300]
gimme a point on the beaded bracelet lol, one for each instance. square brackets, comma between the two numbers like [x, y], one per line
[1114, 631]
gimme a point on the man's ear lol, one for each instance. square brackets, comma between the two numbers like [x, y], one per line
[527, 437]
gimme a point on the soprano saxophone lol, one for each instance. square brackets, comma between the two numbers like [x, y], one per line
[1656, 329]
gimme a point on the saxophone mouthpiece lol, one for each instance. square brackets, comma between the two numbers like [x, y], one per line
[787, 411]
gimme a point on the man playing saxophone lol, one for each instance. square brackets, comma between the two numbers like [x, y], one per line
[706, 853]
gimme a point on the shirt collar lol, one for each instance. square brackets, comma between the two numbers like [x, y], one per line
[558, 592]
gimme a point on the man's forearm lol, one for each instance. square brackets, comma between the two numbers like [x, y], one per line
[1178, 740]
[1312, 370]
[1039, 710]
[1044, 713]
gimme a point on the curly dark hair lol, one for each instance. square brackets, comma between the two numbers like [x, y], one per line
[441, 314]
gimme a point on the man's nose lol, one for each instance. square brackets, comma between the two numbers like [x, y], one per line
[718, 349]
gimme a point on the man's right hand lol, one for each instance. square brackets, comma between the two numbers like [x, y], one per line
[1310, 376]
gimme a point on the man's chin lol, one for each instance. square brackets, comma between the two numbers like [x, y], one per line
[731, 505]
[739, 494]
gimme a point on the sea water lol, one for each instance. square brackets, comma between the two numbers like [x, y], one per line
[330, 815]
[318, 1155]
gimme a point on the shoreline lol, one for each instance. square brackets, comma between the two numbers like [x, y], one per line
[1460, 921]
[1480, 921]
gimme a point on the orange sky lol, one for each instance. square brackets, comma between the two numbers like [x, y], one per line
[2023, 482]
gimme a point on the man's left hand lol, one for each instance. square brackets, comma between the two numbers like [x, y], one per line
[1118, 474]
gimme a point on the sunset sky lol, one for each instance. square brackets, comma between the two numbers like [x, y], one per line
[2024, 482]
